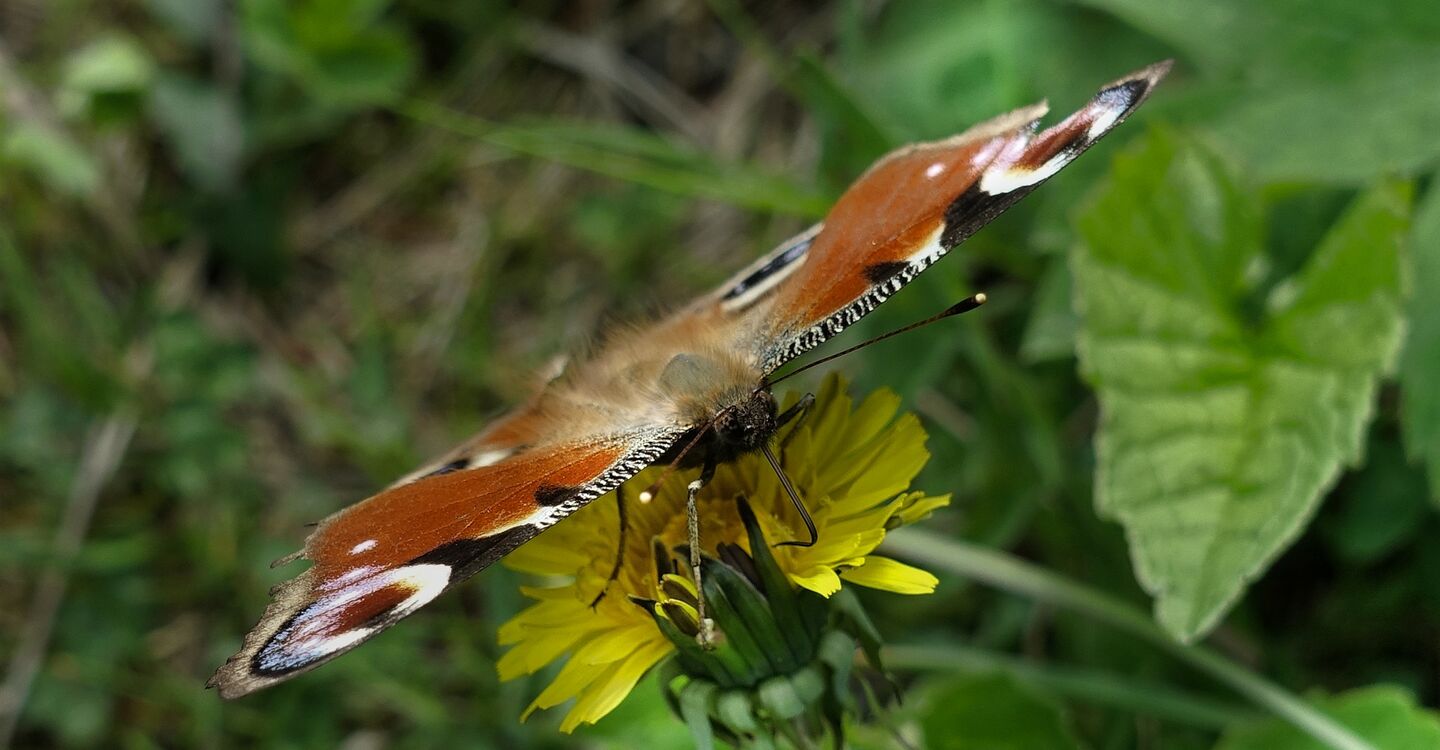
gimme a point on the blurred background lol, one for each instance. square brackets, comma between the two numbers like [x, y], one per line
[260, 257]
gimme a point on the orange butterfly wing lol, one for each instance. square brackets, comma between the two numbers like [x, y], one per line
[906, 212]
[378, 561]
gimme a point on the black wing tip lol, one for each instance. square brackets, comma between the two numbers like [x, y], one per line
[1137, 86]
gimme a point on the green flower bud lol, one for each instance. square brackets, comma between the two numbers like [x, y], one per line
[779, 671]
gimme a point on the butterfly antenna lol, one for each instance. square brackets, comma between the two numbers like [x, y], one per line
[794, 500]
[963, 306]
[648, 493]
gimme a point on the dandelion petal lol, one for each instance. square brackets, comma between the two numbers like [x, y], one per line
[891, 575]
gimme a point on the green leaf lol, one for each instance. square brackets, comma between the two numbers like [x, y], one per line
[112, 65]
[1261, 38]
[994, 712]
[1326, 90]
[1050, 331]
[195, 20]
[337, 50]
[1380, 507]
[928, 68]
[1376, 118]
[51, 156]
[203, 128]
[373, 66]
[1420, 367]
[1387, 716]
[1223, 419]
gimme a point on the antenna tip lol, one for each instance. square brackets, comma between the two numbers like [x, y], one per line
[647, 496]
[980, 298]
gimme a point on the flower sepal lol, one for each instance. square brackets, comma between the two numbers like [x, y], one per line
[781, 666]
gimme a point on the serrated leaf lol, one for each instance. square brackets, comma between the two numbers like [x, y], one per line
[1221, 426]
[1420, 369]
[1325, 90]
[995, 712]
[1386, 716]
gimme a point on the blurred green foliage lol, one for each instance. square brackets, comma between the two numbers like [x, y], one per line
[301, 246]
[1384, 715]
[993, 710]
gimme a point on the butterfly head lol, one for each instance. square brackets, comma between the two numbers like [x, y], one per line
[747, 424]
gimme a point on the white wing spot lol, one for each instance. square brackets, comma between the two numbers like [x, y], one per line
[1004, 180]
[364, 546]
[489, 458]
[930, 251]
[350, 576]
[1104, 121]
[762, 286]
[312, 648]
[934, 170]
[427, 581]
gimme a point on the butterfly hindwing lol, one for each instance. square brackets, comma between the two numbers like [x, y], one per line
[501, 439]
[380, 560]
[907, 211]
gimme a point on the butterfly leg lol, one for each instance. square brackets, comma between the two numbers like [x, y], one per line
[706, 637]
[619, 550]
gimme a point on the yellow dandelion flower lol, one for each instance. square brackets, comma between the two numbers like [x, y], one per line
[852, 465]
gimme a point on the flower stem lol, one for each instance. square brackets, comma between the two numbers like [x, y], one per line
[1083, 685]
[1007, 572]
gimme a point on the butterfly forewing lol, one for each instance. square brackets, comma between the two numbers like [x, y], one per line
[906, 212]
[380, 560]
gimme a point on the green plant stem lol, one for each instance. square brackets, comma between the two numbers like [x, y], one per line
[1085, 685]
[1006, 572]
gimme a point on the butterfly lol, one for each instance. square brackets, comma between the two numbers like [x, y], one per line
[693, 387]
